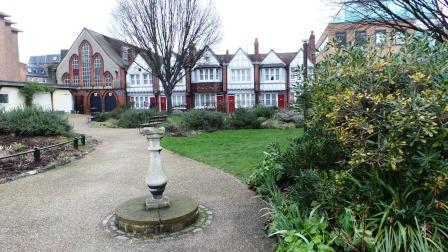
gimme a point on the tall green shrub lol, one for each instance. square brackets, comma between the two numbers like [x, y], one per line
[33, 121]
[375, 157]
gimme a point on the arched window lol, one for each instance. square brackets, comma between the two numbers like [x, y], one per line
[108, 79]
[97, 69]
[74, 69]
[86, 55]
[66, 79]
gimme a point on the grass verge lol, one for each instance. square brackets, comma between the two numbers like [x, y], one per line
[235, 151]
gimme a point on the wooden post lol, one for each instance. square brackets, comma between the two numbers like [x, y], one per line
[83, 140]
[75, 143]
[36, 155]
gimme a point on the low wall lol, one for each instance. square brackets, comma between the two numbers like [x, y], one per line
[62, 99]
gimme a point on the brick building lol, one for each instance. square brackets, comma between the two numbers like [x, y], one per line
[95, 68]
[223, 82]
[104, 73]
[350, 26]
[10, 67]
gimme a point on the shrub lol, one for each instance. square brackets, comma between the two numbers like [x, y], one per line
[132, 118]
[33, 121]
[289, 116]
[266, 112]
[375, 155]
[244, 119]
[276, 124]
[101, 117]
[203, 120]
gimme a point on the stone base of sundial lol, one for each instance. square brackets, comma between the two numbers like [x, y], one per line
[132, 216]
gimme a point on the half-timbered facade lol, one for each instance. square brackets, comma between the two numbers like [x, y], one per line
[145, 90]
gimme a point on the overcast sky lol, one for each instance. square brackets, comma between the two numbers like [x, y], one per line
[50, 25]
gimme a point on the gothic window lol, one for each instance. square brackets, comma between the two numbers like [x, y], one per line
[86, 55]
[66, 79]
[74, 69]
[97, 66]
[108, 79]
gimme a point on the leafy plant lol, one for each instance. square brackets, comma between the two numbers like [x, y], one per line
[30, 89]
[33, 121]
[203, 120]
[132, 118]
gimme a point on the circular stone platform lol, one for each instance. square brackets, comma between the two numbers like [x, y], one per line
[131, 216]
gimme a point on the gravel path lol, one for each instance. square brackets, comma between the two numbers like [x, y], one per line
[62, 209]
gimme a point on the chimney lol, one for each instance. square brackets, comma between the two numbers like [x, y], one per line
[312, 48]
[227, 58]
[256, 47]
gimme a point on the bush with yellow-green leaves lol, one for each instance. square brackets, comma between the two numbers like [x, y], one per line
[374, 162]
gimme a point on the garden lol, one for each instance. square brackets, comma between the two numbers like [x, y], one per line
[24, 129]
[234, 143]
[370, 172]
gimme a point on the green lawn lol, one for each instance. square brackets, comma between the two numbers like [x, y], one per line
[235, 151]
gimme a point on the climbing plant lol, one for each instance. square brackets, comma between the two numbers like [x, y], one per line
[30, 89]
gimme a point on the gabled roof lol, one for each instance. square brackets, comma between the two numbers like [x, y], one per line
[239, 50]
[111, 46]
[272, 52]
[219, 58]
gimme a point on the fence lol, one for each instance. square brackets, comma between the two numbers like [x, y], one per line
[37, 151]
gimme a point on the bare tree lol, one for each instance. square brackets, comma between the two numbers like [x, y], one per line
[431, 15]
[168, 31]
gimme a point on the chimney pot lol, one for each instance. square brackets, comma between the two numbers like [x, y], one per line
[256, 46]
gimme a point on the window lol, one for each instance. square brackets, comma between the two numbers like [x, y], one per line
[240, 75]
[205, 100]
[147, 80]
[75, 63]
[76, 80]
[341, 38]
[268, 100]
[208, 74]
[360, 38]
[140, 102]
[399, 38]
[108, 79]
[86, 65]
[178, 100]
[66, 79]
[98, 65]
[135, 79]
[245, 100]
[4, 98]
[380, 37]
[271, 74]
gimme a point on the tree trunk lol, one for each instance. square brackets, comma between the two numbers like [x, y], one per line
[169, 102]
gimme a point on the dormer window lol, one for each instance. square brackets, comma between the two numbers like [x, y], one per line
[125, 53]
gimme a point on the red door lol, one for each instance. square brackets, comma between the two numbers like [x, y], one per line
[231, 103]
[220, 101]
[163, 103]
[281, 101]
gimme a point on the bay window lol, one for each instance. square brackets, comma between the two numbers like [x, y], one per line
[205, 100]
[208, 74]
[245, 100]
[271, 74]
[240, 75]
[268, 100]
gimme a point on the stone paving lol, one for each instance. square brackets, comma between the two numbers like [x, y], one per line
[64, 209]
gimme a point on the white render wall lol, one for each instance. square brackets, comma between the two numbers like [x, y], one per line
[62, 100]
[14, 98]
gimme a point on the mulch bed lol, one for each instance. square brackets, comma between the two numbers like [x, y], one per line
[10, 144]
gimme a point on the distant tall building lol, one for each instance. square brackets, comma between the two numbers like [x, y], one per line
[10, 67]
[353, 25]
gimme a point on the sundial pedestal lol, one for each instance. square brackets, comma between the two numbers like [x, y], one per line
[156, 213]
